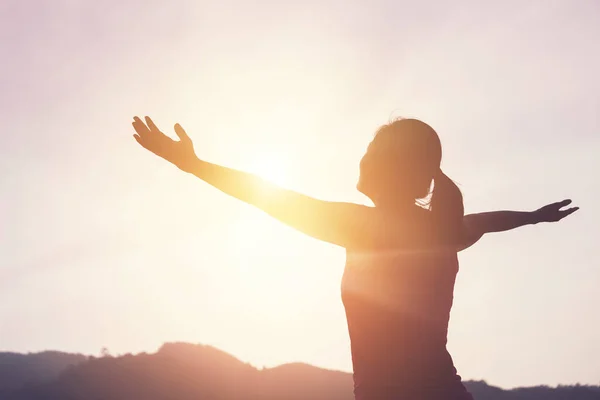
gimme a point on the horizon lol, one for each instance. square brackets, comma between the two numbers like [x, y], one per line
[262, 368]
[103, 245]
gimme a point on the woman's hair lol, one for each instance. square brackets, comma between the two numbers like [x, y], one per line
[447, 207]
[402, 162]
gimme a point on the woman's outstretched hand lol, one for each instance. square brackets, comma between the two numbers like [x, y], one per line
[181, 152]
[553, 212]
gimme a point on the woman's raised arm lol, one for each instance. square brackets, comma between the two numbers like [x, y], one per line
[477, 225]
[333, 222]
[343, 224]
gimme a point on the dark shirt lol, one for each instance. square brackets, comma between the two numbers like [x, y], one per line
[397, 306]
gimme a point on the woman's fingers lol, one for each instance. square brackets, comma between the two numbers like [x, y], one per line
[151, 138]
[183, 136]
[140, 127]
[139, 140]
[559, 204]
[553, 212]
[151, 125]
[563, 203]
[568, 211]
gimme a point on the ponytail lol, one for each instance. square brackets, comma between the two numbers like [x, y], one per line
[447, 207]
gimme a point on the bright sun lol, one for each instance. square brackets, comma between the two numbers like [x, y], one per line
[270, 168]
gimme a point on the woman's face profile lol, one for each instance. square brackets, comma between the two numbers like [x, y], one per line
[392, 169]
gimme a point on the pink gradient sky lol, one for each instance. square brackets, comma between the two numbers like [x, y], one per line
[103, 245]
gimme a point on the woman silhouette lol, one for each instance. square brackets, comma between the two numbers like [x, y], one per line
[401, 254]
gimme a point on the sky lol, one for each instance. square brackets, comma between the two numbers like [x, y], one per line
[104, 245]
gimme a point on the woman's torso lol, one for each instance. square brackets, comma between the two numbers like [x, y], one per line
[397, 306]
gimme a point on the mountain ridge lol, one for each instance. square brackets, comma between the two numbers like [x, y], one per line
[191, 371]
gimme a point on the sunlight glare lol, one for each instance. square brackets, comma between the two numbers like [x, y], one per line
[270, 168]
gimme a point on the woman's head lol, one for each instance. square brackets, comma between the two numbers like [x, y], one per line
[400, 165]
[400, 162]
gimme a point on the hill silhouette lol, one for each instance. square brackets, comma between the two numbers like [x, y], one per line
[17, 370]
[185, 371]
